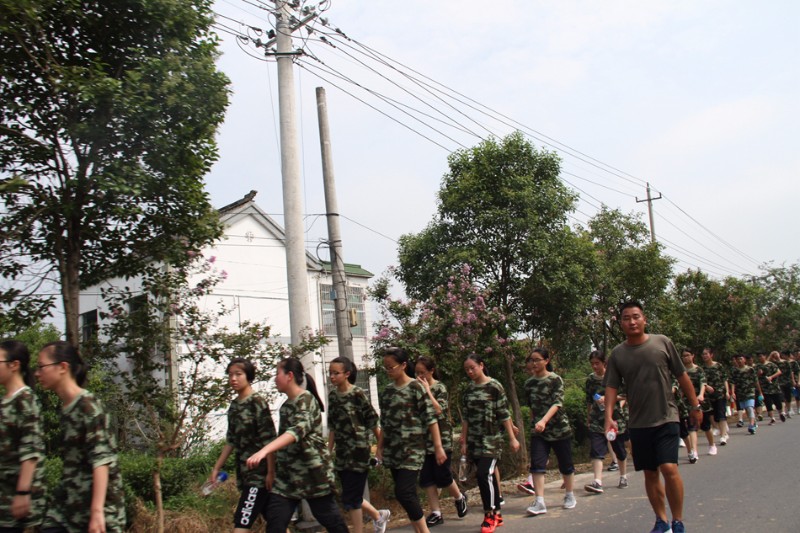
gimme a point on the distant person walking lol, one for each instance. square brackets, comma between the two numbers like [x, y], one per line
[647, 363]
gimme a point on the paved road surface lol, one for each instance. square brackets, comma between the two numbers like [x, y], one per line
[753, 484]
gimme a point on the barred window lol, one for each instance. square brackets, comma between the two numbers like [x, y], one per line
[355, 300]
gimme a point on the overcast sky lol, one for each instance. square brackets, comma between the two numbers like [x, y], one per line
[700, 98]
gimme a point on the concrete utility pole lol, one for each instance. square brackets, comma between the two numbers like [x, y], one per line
[299, 310]
[650, 201]
[343, 334]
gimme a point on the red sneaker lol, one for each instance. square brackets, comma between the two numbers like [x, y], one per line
[488, 525]
[498, 520]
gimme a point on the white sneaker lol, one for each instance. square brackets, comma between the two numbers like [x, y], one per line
[681, 444]
[537, 508]
[569, 501]
[715, 432]
[723, 440]
[382, 521]
[712, 450]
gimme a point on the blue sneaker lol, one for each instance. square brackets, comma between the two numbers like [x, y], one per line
[677, 527]
[661, 527]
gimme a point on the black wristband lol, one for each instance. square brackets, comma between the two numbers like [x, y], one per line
[23, 493]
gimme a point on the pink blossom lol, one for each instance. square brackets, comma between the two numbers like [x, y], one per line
[212, 259]
[223, 275]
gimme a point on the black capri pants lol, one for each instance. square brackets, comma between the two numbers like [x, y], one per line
[405, 490]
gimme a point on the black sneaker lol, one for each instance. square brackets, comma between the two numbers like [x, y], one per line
[434, 520]
[501, 501]
[613, 467]
[461, 506]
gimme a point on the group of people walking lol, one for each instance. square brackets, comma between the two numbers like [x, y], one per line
[646, 393]
[89, 496]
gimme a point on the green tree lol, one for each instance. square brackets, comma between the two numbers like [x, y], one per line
[626, 266]
[777, 319]
[702, 312]
[107, 121]
[167, 351]
[502, 210]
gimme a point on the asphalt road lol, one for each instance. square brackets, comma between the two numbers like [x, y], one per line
[751, 485]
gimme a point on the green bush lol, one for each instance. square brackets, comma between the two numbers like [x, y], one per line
[575, 406]
[52, 469]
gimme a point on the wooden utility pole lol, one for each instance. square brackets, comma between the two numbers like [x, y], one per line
[650, 201]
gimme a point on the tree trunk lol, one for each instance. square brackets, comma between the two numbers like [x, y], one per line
[70, 295]
[516, 412]
[157, 492]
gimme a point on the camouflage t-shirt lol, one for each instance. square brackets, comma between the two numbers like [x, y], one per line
[303, 469]
[795, 366]
[541, 394]
[20, 441]
[88, 444]
[594, 385]
[785, 379]
[439, 392]
[716, 376]
[406, 414]
[698, 378]
[744, 381]
[250, 428]
[485, 409]
[766, 369]
[351, 418]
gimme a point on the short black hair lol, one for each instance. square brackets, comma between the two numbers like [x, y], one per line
[247, 365]
[630, 304]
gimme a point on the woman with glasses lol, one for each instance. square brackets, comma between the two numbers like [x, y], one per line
[550, 430]
[21, 491]
[89, 497]
[485, 414]
[407, 417]
[351, 419]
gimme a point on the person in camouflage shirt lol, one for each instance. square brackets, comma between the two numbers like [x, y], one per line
[744, 385]
[484, 407]
[717, 393]
[21, 445]
[786, 382]
[434, 477]
[303, 469]
[89, 453]
[795, 366]
[595, 418]
[550, 429]
[351, 419]
[768, 373]
[698, 378]
[407, 417]
[250, 428]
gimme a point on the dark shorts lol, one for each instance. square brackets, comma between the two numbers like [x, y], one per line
[705, 425]
[652, 447]
[540, 452]
[353, 484]
[718, 408]
[434, 474]
[252, 503]
[773, 401]
[786, 390]
[599, 446]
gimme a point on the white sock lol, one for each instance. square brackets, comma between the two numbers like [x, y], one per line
[437, 513]
[540, 499]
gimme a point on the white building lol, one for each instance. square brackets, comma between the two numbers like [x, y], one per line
[252, 253]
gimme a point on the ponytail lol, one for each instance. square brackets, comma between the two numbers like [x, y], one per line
[17, 351]
[349, 366]
[63, 352]
[293, 365]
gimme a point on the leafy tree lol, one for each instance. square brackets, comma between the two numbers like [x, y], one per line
[702, 312]
[626, 266]
[502, 210]
[777, 322]
[107, 121]
[165, 347]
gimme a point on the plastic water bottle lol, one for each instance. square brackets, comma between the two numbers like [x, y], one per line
[611, 435]
[462, 469]
[209, 486]
[597, 397]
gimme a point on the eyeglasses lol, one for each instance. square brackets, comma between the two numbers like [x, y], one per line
[334, 373]
[535, 360]
[390, 368]
[6, 361]
[39, 367]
